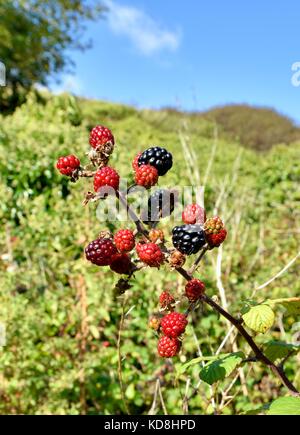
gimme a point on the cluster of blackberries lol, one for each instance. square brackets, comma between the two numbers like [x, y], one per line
[172, 325]
[124, 251]
[151, 164]
[114, 252]
[197, 232]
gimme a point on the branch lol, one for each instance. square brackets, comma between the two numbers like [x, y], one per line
[278, 371]
[139, 225]
[198, 260]
[188, 275]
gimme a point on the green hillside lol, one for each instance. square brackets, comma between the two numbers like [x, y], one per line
[62, 314]
[259, 128]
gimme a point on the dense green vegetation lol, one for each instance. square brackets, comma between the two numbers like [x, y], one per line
[62, 314]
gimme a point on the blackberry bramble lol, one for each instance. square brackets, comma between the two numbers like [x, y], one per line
[151, 245]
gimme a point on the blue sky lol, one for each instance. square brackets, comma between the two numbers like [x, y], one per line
[192, 55]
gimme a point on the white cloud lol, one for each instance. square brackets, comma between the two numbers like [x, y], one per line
[142, 30]
[69, 84]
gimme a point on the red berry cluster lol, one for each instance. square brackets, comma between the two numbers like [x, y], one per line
[151, 164]
[172, 326]
[128, 251]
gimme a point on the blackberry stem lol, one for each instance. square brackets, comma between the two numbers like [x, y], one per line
[139, 225]
[188, 275]
[198, 260]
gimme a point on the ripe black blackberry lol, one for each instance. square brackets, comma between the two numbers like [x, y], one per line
[188, 239]
[160, 205]
[158, 157]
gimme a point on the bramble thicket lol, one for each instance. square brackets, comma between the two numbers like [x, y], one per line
[198, 316]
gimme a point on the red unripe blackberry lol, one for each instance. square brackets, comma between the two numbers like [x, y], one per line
[106, 177]
[194, 214]
[135, 162]
[150, 254]
[68, 164]
[168, 347]
[174, 324]
[146, 176]
[121, 264]
[124, 240]
[166, 299]
[101, 252]
[215, 232]
[194, 290]
[215, 240]
[100, 136]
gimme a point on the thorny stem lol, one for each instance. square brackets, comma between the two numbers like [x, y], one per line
[85, 173]
[139, 225]
[198, 260]
[278, 371]
[188, 275]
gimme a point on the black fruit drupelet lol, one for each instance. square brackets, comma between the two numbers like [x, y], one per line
[160, 205]
[158, 157]
[188, 239]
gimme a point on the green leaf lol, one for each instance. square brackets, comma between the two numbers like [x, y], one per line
[256, 411]
[183, 368]
[279, 349]
[130, 392]
[285, 406]
[221, 367]
[259, 318]
[292, 305]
